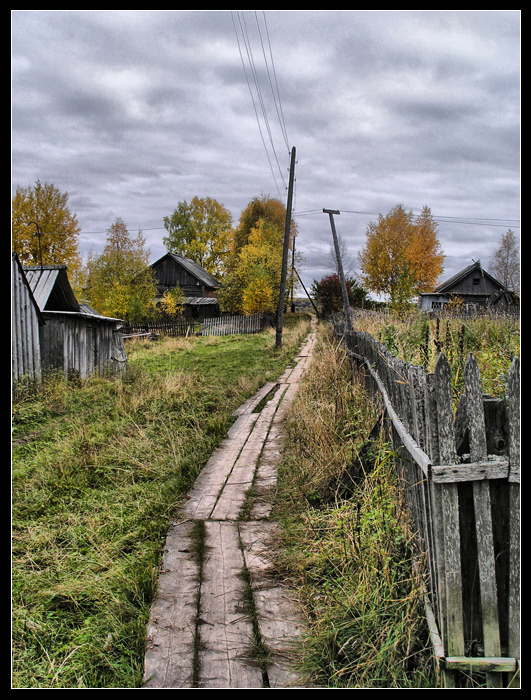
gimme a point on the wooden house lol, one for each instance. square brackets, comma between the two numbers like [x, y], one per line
[26, 320]
[475, 287]
[198, 286]
[74, 338]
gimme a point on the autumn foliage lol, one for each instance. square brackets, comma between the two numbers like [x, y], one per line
[402, 256]
[252, 283]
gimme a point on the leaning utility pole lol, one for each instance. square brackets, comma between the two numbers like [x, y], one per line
[346, 305]
[284, 272]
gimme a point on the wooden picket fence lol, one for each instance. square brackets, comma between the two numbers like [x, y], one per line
[175, 327]
[230, 325]
[460, 479]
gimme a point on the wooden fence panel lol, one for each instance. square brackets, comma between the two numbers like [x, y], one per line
[463, 507]
[513, 597]
[229, 325]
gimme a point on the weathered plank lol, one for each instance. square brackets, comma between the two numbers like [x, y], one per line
[453, 586]
[280, 619]
[514, 515]
[483, 517]
[204, 495]
[241, 476]
[252, 402]
[225, 626]
[456, 473]
[171, 629]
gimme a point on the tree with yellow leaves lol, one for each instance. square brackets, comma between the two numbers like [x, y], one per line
[200, 230]
[252, 283]
[402, 257]
[43, 209]
[119, 282]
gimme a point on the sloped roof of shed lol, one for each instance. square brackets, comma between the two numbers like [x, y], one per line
[51, 288]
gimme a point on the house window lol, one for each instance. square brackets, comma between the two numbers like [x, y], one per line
[437, 305]
[475, 281]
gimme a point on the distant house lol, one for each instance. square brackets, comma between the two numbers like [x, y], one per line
[74, 338]
[198, 286]
[475, 287]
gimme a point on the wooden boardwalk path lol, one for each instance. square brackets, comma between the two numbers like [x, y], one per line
[204, 630]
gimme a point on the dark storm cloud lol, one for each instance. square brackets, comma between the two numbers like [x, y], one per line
[131, 112]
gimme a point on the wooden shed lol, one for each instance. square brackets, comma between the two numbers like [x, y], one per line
[473, 285]
[74, 338]
[198, 286]
[26, 320]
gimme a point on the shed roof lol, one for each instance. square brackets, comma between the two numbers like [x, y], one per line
[51, 288]
[53, 293]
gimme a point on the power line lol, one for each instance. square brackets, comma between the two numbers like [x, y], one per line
[280, 112]
[511, 223]
[260, 97]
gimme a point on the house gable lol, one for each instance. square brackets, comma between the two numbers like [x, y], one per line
[51, 288]
[172, 270]
[473, 286]
[471, 281]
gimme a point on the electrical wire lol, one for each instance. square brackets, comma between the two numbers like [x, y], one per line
[245, 40]
[511, 223]
[278, 107]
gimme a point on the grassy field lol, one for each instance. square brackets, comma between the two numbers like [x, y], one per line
[99, 469]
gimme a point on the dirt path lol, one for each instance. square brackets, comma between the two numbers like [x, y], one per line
[208, 627]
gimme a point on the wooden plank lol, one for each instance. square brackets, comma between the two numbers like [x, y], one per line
[455, 473]
[240, 478]
[483, 517]
[226, 630]
[280, 619]
[514, 514]
[171, 627]
[204, 495]
[473, 664]
[453, 587]
[252, 402]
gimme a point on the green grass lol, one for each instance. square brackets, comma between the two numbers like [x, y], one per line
[99, 469]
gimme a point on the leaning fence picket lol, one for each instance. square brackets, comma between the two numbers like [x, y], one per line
[513, 596]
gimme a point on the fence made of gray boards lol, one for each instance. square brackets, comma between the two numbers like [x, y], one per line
[459, 473]
[229, 325]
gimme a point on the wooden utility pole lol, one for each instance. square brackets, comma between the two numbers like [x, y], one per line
[285, 251]
[346, 305]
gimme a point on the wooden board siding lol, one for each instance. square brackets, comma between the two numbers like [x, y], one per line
[81, 345]
[25, 322]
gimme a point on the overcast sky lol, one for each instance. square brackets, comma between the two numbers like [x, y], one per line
[133, 111]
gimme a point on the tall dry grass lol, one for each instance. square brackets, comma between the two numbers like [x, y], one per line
[345, 546]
